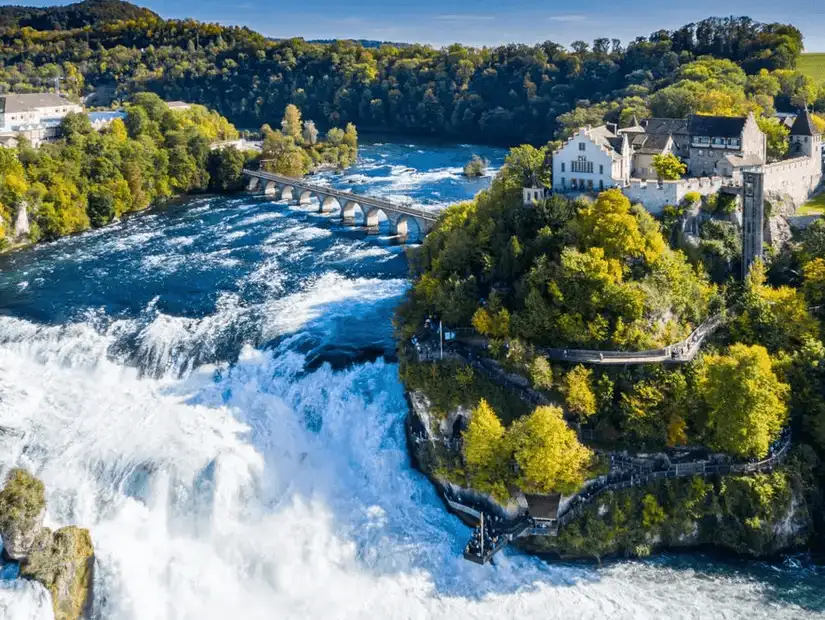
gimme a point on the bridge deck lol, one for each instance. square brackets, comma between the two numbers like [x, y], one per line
[361, 199]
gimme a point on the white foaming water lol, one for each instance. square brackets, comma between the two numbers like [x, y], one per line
[262, 491]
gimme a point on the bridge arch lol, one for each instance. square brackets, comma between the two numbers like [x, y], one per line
[305, 197]
[253, 184]
[271, 188]
[328, 203]
[353, 213]
[378, 221]
[287, 192]
[408, 228]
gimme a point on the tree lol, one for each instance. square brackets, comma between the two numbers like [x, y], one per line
[101, 206]
[548, 453]
[578, 392]
[291, 123]
[745, 401]
[476, 167]
[484, 448]
[777, 318]
[540, 373]
[777, 137]
[226, 169]
[310, 133]
[669, 167]
[74, 125]
[137, 121]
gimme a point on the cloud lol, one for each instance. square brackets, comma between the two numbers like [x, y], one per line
[568, 18]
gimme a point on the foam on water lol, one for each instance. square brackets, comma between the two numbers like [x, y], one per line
[175, 416]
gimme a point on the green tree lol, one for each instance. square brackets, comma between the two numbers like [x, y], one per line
[101, 206]
[777, 137]
[669, 167]
[137, 121]
[548, 453]
[75, 125]
[744, 400]
[226, 169]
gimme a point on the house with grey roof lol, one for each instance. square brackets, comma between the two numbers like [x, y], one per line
[714, 138]
[34, 115]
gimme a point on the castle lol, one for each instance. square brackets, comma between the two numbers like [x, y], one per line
[716, 149]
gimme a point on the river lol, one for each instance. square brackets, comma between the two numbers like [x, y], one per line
[203, 387]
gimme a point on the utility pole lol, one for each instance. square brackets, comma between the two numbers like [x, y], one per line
[441, 337]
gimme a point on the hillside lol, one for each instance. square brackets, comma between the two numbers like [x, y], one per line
[812, 65]
[88, 13]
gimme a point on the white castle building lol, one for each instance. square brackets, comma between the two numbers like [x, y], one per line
[716, 149]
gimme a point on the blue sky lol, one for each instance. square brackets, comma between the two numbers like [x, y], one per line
[483, 22]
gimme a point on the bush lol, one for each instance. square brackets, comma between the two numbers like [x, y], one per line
[476, 167]
[692, 198]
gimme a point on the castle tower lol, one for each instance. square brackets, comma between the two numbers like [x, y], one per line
[805, 139]
[533, 192]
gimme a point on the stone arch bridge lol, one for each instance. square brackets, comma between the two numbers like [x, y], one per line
[409, 223]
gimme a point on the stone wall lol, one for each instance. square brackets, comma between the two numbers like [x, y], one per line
[656, 195]
[797, 178]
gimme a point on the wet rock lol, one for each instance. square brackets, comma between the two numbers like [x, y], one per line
[63, 561]
[22, 507]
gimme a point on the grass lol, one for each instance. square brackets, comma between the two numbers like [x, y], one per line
[815, 206]
[812, 65]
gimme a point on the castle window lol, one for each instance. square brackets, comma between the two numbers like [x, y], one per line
[601, 169]
[582, 146]
[601, 184]
[581, 165]
[562, 166]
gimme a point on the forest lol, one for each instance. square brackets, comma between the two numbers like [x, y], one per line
[88, 178]
[508, 95]
[603, 274]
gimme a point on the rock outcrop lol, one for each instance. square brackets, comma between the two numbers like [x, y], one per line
[63, 561]
[22, 507]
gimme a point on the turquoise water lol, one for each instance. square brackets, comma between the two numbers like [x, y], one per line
[203, 387]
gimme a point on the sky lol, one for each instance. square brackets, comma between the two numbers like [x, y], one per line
[482, 22]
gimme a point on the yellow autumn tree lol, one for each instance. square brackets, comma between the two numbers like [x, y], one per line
[548, 453]
[744, 399]
[485, 450]
[578, 392]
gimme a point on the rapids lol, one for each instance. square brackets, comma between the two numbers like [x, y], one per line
[203, 386]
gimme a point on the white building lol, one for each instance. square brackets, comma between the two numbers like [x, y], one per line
[34, 109]
[593, 159]
[717, 151]
[34, 115]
